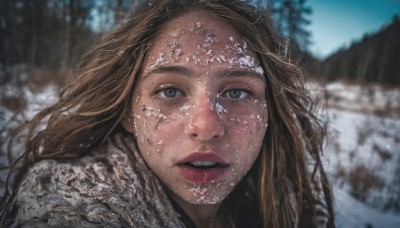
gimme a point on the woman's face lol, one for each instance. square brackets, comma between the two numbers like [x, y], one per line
[199, 108]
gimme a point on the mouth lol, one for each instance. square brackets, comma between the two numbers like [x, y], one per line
[202, 168]
[202, 164]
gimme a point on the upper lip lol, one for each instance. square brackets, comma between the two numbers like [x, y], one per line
[203, 156]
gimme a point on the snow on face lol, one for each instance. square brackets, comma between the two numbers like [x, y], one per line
[201, 101]
[194, 42]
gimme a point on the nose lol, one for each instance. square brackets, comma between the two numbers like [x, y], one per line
[204, 123]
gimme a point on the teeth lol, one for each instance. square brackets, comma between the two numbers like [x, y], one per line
[203, 163]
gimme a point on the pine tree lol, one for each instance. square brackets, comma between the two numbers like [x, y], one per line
[291, 22]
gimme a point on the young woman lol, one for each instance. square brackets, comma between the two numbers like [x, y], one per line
[187, 115]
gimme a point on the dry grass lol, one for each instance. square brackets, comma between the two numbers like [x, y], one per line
[39, 78]
[362, 180]
[13, 103]
[16, 80]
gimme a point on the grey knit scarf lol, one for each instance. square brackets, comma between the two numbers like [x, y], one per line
[105, 189]
[110, 187]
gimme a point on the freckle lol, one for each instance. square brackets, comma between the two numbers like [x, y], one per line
[144, 108]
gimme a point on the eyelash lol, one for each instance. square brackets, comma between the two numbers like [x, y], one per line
[164, 89]
[241, 97]
[180, 93]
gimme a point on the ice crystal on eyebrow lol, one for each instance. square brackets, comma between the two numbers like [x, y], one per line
[246, 61]
[176, 51]
[239, 48]
[160, 60]
[208, 39]
[244, 43]
[218, 59]
[231, 61]
[194, 58]
[259, 70]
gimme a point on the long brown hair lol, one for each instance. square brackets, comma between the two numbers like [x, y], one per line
[90, 109]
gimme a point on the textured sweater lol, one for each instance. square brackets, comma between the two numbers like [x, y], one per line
[104, 188]
[110, 187]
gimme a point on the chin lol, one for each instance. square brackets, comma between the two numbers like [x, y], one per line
[205, 195]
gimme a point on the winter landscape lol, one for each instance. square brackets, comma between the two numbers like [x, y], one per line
[362, 151]
[358, 86]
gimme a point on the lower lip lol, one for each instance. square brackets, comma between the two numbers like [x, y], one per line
[201, 176]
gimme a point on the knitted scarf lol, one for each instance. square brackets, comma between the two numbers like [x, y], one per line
[110, 187]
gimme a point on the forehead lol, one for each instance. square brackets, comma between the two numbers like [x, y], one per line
[202, 39]
[198, 24]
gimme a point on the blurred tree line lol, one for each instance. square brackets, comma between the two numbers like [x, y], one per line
[291, 21]
[375, 58]
[53, 34]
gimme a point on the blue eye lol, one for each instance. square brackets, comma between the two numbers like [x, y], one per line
[170, 92]
[237, 94]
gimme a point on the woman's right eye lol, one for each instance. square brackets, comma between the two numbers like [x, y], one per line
[170, 92]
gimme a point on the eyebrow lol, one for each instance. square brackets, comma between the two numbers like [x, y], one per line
[170, 69]
[239, 73]
[182, 70]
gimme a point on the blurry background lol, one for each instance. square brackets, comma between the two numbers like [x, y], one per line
[350, 49]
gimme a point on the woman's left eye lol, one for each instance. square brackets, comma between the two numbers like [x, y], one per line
[170, 92]
[236, 94]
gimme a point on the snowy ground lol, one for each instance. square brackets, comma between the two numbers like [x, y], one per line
[362, 155]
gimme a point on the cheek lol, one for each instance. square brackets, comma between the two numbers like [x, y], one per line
[157, 127]
[251, 120]
[146, 120]
[247, 130]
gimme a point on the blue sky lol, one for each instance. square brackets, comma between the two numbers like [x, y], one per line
[336, 23]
